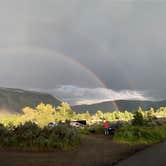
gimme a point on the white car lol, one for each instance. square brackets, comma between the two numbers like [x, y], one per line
[52, 124]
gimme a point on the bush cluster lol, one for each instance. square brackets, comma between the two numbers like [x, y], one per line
[95, 128]
[30, 136]
[140, 134]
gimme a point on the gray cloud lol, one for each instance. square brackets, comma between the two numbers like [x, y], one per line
[43, 69]
[76, 95]
[122, 41]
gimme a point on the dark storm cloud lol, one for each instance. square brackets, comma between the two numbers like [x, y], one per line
[122, 41]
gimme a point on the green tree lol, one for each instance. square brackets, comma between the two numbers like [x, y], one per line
[151, 114]
[138, 117]
[99, 114]
[65, 110]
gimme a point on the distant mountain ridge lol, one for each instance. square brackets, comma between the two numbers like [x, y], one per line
[130, 105]
[14, 100]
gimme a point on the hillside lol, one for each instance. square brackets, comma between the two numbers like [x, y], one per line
[104, 106]
[134, 105]
[14, 100]
[122, 105]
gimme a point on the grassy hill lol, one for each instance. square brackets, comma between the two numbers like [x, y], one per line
[122, 105]
[14, 100]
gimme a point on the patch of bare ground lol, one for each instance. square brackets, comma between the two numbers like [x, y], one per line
[95, 150]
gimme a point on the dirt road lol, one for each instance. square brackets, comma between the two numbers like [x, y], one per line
[95, 150]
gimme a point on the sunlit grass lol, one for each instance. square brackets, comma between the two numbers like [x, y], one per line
[140, 134]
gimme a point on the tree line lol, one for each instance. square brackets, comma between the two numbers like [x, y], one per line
[46, 113]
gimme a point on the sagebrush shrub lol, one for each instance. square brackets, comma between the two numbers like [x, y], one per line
[29, 135]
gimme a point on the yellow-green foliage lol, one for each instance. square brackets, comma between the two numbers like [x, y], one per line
[44, 114]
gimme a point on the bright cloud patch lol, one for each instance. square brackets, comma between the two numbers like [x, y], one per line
[77, 95]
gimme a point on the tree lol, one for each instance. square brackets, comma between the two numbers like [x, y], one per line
[138, 117]
[65, 110]
[99, 114]
[151, 114]
[29, 114]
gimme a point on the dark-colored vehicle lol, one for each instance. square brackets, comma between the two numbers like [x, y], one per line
[112, 128]
[83, 122]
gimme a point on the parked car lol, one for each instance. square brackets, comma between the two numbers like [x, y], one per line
[78, 123]
[52, 124]
[113, 127]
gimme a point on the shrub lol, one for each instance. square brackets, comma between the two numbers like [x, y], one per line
[26, 134]
[140, 134]
[96, 128]
[63, 136]
[4, 135]
[29, 135]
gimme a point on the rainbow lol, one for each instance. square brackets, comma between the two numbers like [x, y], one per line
[51, 52]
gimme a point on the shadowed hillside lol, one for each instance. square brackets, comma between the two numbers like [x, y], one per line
[104, 107]
[134, 105]
[122, 105]
[14, 100]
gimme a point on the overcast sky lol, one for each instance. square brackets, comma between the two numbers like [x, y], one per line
[77, 46]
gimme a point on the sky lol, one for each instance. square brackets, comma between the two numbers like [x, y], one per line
[84, 51]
